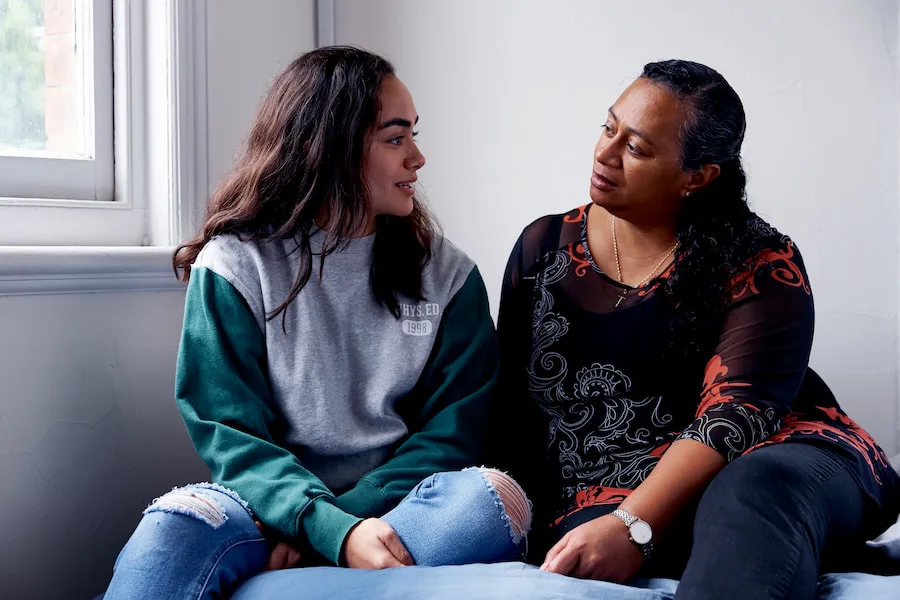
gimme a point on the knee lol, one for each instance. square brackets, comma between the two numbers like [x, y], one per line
[752, 483]
[512, 500]
[208, 503]
[205, 530]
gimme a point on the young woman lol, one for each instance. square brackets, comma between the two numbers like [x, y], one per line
[655, 347]
[336, 351]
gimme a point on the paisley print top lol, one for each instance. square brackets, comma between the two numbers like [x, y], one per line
[590, 387]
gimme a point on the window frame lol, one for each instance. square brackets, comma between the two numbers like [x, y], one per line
[30, 175]
[157, 111]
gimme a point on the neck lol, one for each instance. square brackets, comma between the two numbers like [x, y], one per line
[322, 223]
[638, 240]
[370, 227]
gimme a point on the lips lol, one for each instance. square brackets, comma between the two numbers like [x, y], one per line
[407, 187]
[602, 183]
[605, 180]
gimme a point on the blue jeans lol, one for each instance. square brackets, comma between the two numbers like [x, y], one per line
[186, 554]
[206, 544]
[449, 516]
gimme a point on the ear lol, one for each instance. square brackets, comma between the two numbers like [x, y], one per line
[700, 179]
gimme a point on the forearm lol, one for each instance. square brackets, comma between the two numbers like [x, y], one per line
[682, 473]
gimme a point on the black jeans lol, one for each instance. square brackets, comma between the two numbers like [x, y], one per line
[766, 526]
[772, 520]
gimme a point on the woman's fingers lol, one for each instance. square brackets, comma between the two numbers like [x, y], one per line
[293, 558]
[395, 546]
[277, 557]
[565, 562]
[282, 557]
[554, 552]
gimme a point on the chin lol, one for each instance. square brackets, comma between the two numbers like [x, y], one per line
[403, 209]
[394, 207]
[601, 198]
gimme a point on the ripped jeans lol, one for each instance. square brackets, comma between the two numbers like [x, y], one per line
[201, 542]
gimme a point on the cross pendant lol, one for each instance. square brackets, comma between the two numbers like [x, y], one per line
[621, 298]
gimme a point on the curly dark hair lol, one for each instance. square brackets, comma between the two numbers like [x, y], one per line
[717, 232]
[304, 161]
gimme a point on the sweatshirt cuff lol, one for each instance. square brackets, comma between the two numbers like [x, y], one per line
[326, 526]
[365, 500]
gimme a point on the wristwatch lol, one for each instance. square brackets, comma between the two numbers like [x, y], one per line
[641, 533]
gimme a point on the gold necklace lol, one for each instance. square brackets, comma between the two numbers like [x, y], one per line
[619, 268]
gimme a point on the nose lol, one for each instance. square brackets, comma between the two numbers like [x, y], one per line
[608, 152]
[416, 160]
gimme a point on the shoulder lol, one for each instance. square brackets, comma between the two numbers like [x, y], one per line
[231, 257]
[556, 224]
[549, 234]
[245, 264]
[448, 269]
[779, 265]
[230, 253]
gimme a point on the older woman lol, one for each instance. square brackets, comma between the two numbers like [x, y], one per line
[658, 404]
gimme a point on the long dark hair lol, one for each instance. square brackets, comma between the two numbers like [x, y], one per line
[717, 232]
[304, 162]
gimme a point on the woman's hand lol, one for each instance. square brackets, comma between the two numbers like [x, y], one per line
[373, 544]
[283, 556]
[598, 549]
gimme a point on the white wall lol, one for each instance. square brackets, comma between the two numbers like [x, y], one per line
[249, 44]
[512, 94]
[89, 432]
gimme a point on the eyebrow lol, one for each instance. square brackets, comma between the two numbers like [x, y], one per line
[640, 134]
[397, 121]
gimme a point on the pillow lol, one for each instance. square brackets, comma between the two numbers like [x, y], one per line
[889, 541]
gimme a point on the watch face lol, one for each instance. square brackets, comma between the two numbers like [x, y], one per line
[641, 532]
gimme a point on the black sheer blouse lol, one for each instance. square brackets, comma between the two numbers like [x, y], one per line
[591, 404]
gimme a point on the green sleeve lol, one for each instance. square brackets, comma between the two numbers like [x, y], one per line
[447, 411]
[222, 390]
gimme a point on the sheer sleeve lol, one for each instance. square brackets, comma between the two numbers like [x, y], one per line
[513, 334]
[515, 441]
[761, 357]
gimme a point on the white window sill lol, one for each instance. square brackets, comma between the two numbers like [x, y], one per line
[33, 270]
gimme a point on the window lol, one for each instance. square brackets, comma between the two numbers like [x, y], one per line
[102, 121]
[56, 99]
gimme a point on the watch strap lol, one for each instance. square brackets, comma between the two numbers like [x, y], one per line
[625, 516]
[629, 519]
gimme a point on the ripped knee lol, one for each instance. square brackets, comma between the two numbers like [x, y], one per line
[512, 499]
[197, 501]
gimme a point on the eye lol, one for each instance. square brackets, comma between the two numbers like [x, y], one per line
[608, 128]
[634, 149]
[396, 141]
[415, 133]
